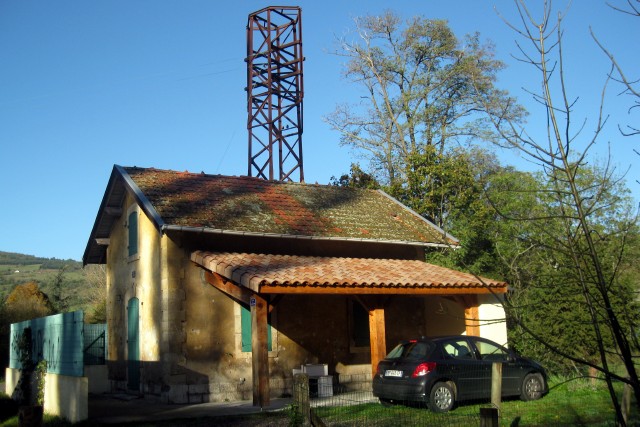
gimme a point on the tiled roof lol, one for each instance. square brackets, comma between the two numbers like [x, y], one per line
[284, 273]
[253, 205]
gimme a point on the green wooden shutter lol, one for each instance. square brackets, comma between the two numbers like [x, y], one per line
[133, 233]
[245, 320]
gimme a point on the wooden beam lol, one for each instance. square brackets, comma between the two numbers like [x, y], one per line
[237, 292]
[377, 337]
[113, 211]
[259, 351]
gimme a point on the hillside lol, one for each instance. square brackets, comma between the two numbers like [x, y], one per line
[11, 258]
[17, 269]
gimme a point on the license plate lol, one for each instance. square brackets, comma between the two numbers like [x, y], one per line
[392, 373]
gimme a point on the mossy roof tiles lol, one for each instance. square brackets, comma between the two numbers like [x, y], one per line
[252, 205]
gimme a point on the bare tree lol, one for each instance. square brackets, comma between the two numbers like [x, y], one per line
[96, 279]
[631, 86]
[416, 80]
[573, 207]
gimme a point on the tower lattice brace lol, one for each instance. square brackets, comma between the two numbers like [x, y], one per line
[275, 92]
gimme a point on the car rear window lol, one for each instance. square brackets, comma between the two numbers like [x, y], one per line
[411, 350]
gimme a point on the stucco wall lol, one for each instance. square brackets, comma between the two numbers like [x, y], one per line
[138, 276]
[493, 323]
[190, 333]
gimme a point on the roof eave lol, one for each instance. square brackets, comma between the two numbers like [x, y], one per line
[445, 235]
[119, 176]
[207, 230]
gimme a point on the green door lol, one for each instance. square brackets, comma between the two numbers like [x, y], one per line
[133, 344]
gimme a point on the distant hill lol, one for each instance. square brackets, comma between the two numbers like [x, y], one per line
[11, 258]
[17, 269]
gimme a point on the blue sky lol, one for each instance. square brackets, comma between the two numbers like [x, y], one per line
[85, 85]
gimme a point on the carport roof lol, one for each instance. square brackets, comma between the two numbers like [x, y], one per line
[282, 274]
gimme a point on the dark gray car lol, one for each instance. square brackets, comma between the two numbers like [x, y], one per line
[444, 370]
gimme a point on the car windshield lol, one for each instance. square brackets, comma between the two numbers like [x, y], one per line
[411, 350]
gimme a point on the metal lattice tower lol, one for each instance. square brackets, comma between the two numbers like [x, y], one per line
[275, 92]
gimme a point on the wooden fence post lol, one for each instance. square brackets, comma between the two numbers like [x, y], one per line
[496, 385]
[489, 417]
[626, 402]
[301, 398]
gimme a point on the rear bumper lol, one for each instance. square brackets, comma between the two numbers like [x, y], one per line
[400, 390]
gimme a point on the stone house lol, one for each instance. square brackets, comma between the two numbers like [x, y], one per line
[220, 286]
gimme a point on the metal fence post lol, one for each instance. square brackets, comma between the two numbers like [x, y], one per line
[301, 399]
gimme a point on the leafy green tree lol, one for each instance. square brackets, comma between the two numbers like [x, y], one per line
[356, 178]
[546, 299]
[26, 302]
[59, 300]
[418, 91]
[584, 222]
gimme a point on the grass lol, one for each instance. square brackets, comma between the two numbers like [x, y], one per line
[569, 403]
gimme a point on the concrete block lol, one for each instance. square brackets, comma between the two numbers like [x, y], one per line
[178, 393]
[11, 376]
[199, 388]
[177, 379]
[67, 397]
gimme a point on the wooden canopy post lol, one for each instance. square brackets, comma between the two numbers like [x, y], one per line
[377, 337]
[259, 350]
[471, 315]
[472, 325]
[259, 335]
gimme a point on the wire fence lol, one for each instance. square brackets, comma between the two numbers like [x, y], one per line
[584, 402]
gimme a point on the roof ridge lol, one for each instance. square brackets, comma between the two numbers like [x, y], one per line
[243, 177]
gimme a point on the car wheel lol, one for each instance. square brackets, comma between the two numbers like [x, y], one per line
[532, 387]
[441, 398]
[385, 402]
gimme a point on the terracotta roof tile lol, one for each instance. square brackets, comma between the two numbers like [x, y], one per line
[261, 271]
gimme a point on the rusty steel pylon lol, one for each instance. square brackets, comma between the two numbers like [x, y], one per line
[275, 92]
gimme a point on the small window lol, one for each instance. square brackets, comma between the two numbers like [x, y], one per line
[489, 351]
[133, 233]
[458, 349]
[245, 321]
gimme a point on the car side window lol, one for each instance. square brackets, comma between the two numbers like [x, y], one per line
[492, 352]
[458, 349]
